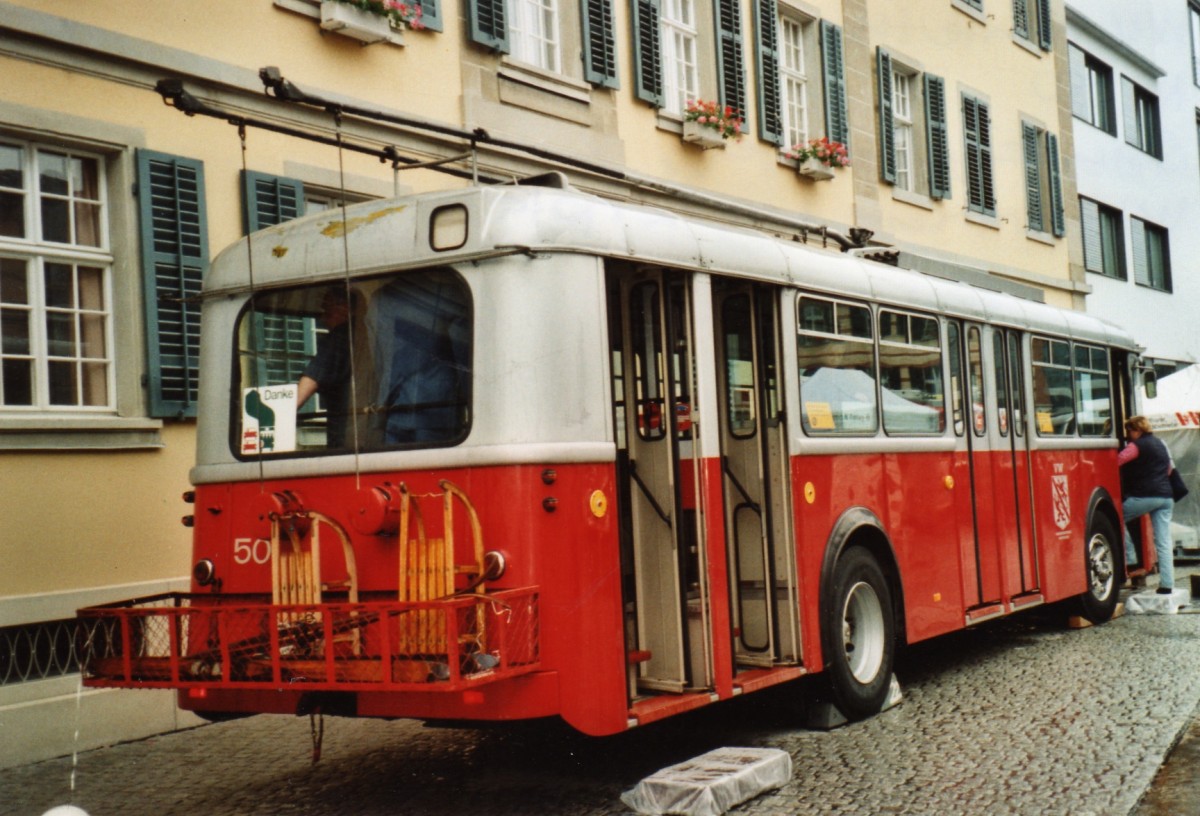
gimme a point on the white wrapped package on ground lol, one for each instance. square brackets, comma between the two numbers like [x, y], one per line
[1151, 603]
[711, 783]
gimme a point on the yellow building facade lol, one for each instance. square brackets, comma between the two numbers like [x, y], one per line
[954, 112]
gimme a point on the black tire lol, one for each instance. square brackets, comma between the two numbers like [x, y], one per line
[858, 635]
[1102, 556]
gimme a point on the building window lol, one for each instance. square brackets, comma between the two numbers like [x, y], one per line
[534, 33]
[903, 94]
[55, 301]
[793, 74]
[1151, 255]
[1142, 127]
[801, 77]
[1103, 239]
[681, 75]
[1043, 186]
[1092, 97]
[977, 135]
[1031, 21]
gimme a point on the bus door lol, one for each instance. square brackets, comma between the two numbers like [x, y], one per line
[1008, 437]
[665, 600]
[755, 474]
[980, 548]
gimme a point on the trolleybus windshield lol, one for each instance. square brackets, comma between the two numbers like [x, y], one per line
[371, 364]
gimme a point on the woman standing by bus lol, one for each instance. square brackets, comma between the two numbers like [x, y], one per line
[1145, 470]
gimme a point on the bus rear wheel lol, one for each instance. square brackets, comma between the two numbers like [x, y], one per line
[859, 635]
[1099, 602]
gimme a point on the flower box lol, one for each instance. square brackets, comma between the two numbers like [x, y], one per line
[815, 170]
[703, 136]
[350, 21]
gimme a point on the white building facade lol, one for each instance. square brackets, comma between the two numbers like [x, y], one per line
[1135, 99]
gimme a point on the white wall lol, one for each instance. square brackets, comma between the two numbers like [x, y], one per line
[1164, 192]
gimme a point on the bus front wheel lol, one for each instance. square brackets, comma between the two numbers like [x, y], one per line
[859, 635]
[1099, 602]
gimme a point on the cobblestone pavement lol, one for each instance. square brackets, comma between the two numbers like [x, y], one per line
[1019, 716]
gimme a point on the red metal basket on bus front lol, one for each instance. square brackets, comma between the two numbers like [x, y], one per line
[183, 641]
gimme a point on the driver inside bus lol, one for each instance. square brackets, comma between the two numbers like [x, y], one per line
[328, 372]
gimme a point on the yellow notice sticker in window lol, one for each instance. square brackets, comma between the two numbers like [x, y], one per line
[1044, 423]
[820, 416]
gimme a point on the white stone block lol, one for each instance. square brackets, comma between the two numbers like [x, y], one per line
[712, 783]
[1151, 603]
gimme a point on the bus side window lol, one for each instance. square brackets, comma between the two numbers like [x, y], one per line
[648, 386]
[1053, 394]
[975, 377]
[836, 351]
[1093, 397]
[954, 341]
[910, 373]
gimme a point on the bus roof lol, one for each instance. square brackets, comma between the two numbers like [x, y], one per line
[381, 236]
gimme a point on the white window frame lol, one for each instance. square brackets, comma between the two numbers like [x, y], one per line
[902, 127]
[680, 50]
[35, 254]
[535, 35]
[1194, 28]
[793, 79]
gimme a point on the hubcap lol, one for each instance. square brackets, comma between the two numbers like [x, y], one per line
[1101, 568]
[863, 632]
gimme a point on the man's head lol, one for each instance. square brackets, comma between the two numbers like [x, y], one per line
[335, 307]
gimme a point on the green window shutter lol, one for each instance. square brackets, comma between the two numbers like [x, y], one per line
[599, 43]
[1045, 34]
[431, 14]
[488, 24]
[174, 244]
[766, 61]
[647, 53]
[731, 66]
[977, 127]
[887, 130]
[1033, 177]
[837, 123]
[1021, 18]
[269, 200]
[1058, 221]
[937, 139]
[285, 344]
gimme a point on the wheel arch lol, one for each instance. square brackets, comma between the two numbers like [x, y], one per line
[860, 527]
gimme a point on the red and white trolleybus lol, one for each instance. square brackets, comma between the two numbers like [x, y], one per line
[605, 462]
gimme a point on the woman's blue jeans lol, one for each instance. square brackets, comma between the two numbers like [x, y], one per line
[1134, 507]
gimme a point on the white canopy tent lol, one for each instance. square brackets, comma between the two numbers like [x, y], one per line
[1174, 413]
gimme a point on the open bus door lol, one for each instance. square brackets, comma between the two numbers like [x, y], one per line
[665, 592]
[981, 578]
[988, 389]
[755, 475]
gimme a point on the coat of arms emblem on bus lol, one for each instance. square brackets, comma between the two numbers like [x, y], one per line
[1061, 499]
